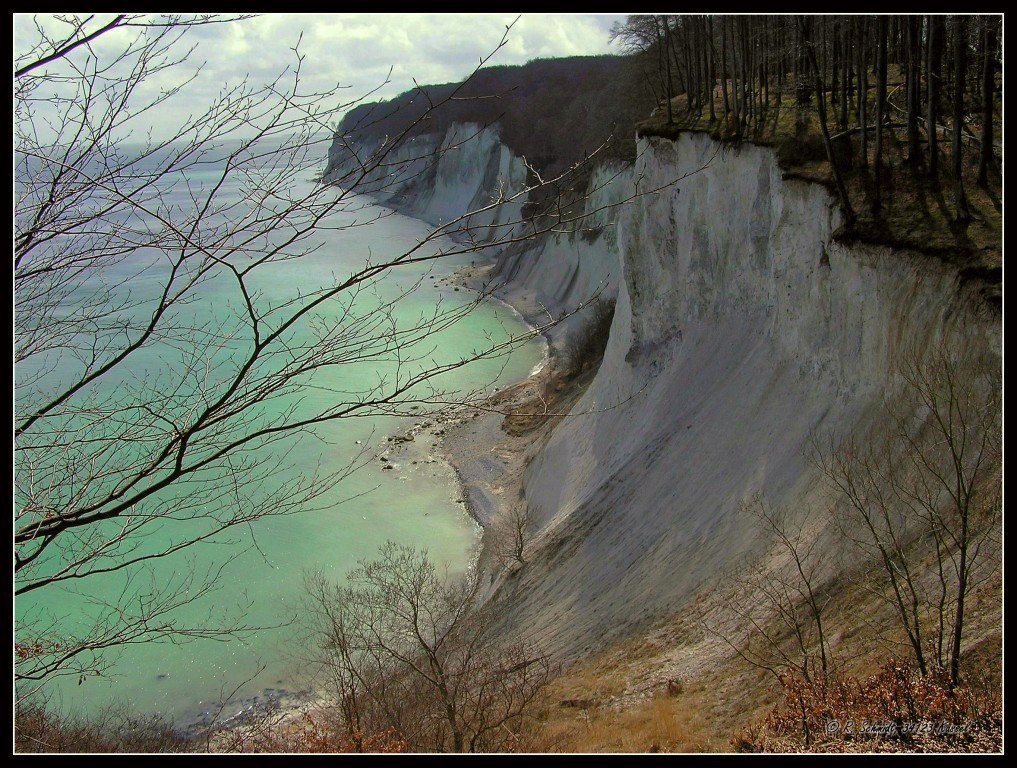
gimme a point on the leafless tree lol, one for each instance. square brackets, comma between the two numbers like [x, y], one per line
[989, 52]
[639, 35]
[760, 54]
[406, 649]
[820, 87]
[510, 535]
[924, 502]
[115, 248]
[779, 600]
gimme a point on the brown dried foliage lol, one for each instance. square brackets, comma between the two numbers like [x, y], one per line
[897, 709]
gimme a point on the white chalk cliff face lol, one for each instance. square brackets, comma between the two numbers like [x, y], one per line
[555, 274]
[440, 178]
[742, 327]
[469, 171]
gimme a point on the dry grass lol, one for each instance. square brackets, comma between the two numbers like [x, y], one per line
[673, 687]
[661, 724]
[633, 697]
[587, 711]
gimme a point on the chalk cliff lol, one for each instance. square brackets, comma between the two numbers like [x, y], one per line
[467, 170]
[742, 327]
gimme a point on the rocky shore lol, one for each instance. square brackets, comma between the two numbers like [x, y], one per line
[482, 465]
[484, 461]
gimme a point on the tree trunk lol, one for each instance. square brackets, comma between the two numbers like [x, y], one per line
[849, 213]
[863, 93]
[933, 71]
[695, 28]
[877, 198]
[960, 49]
[690, 67]
[834, 61]
[764, 67]
[962, 590]
[712, 76]
[850, 103]
[664, 60]
[750, 74]
[779, 74]
[735, 93]
[913, 69]
[723, 72]
[987, 153]
[746, 74]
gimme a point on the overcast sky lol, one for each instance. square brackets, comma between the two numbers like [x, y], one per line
[357, 50]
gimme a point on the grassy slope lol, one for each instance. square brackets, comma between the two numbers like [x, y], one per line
[678, 687]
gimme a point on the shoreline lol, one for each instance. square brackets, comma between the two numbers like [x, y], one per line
[444, 428]
[441, 431]
[467, 442]
[466, 446]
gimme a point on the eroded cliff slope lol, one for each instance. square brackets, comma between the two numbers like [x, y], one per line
[742, 328]
[467, 181]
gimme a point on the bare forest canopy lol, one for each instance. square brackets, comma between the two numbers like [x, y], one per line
[849, 101]
[884, 80]
[551, 111]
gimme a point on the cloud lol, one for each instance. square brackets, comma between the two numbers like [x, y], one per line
[355, 50]
[359, 49]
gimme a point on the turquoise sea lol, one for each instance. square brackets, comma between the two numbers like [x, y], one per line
[263, 565]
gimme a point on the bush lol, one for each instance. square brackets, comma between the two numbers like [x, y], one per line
[896, 709]
[799, 150]
[584, 346]
[39, 729]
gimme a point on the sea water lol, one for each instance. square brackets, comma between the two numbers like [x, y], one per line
[263, 566]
